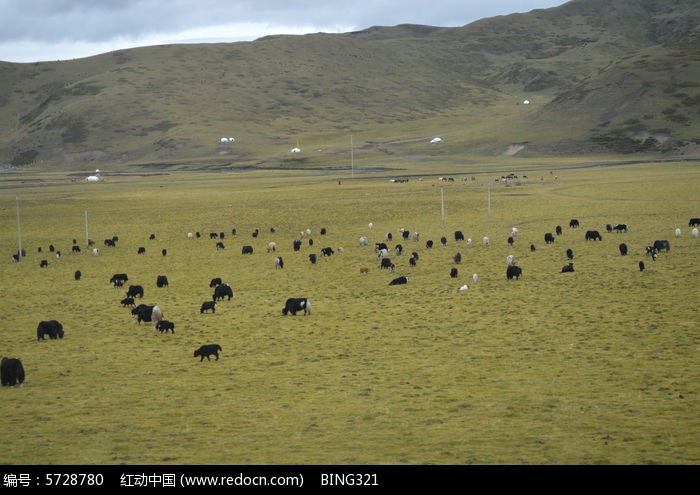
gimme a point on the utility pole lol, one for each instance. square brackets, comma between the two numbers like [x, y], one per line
[19, 234]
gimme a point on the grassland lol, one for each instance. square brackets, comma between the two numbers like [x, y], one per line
[599, 366]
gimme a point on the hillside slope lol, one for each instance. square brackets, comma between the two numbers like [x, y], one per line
[616, 77]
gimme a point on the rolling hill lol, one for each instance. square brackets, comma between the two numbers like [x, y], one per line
[617, 77]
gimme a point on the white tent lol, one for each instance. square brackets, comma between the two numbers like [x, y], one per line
[94, 178]
[436, 140]
[295, 150]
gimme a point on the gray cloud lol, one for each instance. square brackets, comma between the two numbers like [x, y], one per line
[32, 30]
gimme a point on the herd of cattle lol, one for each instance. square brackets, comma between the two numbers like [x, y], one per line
[12, 370]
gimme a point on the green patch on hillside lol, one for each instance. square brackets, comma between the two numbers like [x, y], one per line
[24, 158]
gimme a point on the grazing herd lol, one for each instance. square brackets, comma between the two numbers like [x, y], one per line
[13, 371]
[514, 272]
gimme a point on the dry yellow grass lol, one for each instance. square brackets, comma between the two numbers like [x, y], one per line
[598, 366]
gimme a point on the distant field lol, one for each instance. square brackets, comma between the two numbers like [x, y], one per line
[599, 366]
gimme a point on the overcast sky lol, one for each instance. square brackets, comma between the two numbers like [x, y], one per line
[48, 30]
